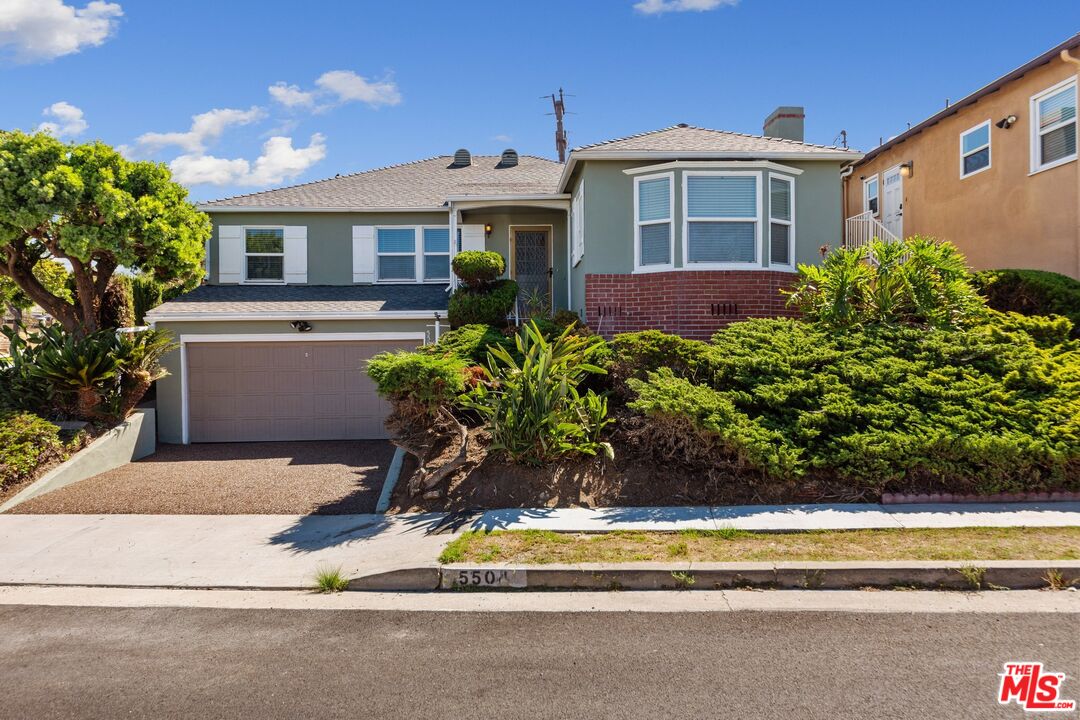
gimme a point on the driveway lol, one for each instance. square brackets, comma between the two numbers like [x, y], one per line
[273, 478]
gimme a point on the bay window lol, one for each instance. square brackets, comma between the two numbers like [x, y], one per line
[721, 219]
[653, 207]
[781, 220]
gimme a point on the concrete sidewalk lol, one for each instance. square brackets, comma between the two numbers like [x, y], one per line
[284, 551]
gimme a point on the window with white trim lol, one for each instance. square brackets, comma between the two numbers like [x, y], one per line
[1053, 126]
[870, 195]
[721, 218]
[264, 254]
[781, 220]
[577, 224]
[395, 250]
[653, 201]
[436, 253]
[975, 149]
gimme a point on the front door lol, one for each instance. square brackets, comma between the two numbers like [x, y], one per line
[532, 269]
[892, 206]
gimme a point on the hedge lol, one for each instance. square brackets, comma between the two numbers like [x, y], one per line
[26, 443]
[1032, 292]
[486, 307]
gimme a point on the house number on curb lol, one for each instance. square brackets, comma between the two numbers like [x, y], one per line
[483, 577]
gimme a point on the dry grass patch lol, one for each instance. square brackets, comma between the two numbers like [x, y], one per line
[541, 547]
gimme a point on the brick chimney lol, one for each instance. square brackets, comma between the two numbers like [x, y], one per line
[785, 122]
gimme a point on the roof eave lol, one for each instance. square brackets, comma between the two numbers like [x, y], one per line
[299, 208]
[167, 316]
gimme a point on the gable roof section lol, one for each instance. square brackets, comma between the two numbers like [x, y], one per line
[419, 185]
[685, 138]
[974, 97]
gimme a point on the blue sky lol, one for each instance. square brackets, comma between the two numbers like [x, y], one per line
[365, 84]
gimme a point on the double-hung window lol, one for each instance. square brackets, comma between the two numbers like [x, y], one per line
[870, 195]
[975, 149]
[396, 251]
[653, 203]
[436, 253]
[1053, 126]
[781, 220]
[264, 254]
[721, 227]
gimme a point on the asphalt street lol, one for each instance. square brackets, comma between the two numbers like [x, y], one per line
[101, 662]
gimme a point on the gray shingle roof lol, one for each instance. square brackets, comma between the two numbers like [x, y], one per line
[687, 138]
[301, 299]
[419, 184]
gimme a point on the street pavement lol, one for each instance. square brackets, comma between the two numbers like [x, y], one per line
[180, 662]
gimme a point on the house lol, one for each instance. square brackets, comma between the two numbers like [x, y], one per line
[683, 229]
[995, 173]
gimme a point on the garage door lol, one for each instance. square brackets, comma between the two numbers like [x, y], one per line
[251, 391]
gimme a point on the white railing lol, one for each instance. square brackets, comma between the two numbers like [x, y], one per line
[860, 229]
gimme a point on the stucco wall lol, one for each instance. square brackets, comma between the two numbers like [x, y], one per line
[1003, 217]
[169, 404]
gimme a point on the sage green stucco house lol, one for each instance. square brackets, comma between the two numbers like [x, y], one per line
[683, 229]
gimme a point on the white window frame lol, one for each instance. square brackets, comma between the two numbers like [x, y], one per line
[686, 220]
[780, 221]
[1036, 133]
[418, 255]
[281, 254]
[987, 146]
[866, 194]
[422, 264]
[670, 222]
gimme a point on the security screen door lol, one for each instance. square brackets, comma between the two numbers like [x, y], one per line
[532, 269]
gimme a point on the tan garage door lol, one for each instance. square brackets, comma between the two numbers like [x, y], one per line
[251, 391]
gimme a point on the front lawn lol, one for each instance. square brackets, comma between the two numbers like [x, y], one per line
[542, 547]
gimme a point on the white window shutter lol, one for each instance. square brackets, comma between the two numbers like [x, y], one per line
[295, 253]
[472, 237]
[363, 253]
[230, 253]
[577, 217]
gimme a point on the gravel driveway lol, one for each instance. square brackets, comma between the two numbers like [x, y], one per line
[272, 478]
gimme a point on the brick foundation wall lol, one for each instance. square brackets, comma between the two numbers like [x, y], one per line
[690, 303]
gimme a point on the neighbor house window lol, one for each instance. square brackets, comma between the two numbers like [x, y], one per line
[870, 196]
[653, 200]
[722, 210]
[975, 149]
[781, 220]
[1053, 126]
[396, 249]
[264, 254]
[436, 253]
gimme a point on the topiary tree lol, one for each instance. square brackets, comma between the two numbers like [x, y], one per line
[478, 269]
[92, 207]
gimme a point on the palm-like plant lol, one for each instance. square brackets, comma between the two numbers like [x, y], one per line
[139, 355]
[85, 365]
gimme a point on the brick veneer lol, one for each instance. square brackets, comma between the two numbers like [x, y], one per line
[691, 303]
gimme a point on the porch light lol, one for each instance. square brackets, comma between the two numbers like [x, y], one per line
[487, 231]
[907, 169]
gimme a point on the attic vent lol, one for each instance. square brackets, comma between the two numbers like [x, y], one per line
[462, 158]
[509, 158]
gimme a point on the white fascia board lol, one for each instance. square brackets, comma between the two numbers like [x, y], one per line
[486, 198]
[298, 315]
[300, 337]
[293, 209]
[715, 165]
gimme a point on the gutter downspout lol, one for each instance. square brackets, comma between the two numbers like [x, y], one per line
[845, 173]
[1067, 57]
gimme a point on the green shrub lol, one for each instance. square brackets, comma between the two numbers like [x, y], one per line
[20, 387]
[532, 406]
[1032, 292]
[485, 307]
[418, 380]
[146, 294]
[636, 354]
[26, 443]
[995, 408]
[117, 306]
[918, 281]
[469, 343]
[478, 269]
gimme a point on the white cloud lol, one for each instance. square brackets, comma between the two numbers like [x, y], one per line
[349, 87]
[502, 138]
[48, 29]
[658, 7]
[291, 95]
[279, 161]
[67, 120]
[205, 127]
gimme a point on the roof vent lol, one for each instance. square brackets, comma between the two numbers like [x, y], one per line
[682, 125]
[462, 158]
[509, 158]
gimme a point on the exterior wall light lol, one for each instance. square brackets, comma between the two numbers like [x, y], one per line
[487, 231]
[301, 325]
[1007, 122]
[907, 169]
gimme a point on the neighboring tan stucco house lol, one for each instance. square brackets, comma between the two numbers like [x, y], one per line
[996, 173]
[683, 229]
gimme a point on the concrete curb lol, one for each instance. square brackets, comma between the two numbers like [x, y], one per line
[392, 474]
[938, 575]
